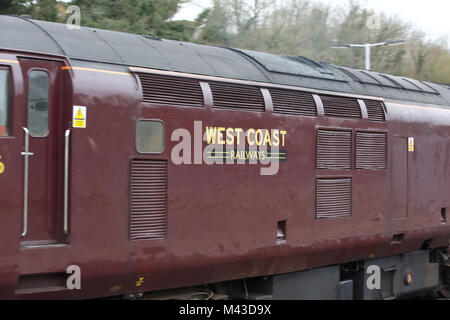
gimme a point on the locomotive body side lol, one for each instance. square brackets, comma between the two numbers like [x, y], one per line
[219, 222]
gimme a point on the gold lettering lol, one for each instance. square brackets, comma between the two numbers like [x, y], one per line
[249, 132]
[220, 133]
[267, 139]
[211, 135]
[259, 137]
[283, 135]
[230, 136]
[276, 138]
[238, 135]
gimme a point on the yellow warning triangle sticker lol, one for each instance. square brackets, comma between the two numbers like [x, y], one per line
[79, 115]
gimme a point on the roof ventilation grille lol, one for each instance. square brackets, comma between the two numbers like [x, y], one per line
[168, 90]
[236, 96]
[293, 102]
[341, 107]
[375, 110]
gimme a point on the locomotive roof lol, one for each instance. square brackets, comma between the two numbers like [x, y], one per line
[88, 46]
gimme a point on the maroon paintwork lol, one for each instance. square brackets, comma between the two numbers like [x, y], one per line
[221, 219]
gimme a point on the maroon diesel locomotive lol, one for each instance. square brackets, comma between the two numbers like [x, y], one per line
[131, 164]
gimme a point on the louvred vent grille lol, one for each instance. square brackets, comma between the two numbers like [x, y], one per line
[148, 207]
[333, 198]
[375, 109]
[371, 151]
[334, 149]
[293, 102]
[235, 96]
[168, 90]
[341, 107]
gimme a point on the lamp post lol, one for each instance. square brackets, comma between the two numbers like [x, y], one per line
[367, 47]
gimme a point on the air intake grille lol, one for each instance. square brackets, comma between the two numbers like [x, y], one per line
[333, 198]
[235, 96]
[334, 149]
[371, 151]
[375, 110]
[168, 90]
[148, 207]
[341, 107]
[293, 102]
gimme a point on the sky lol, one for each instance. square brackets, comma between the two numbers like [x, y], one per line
[430, 16]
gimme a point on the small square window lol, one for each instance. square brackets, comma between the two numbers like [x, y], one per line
[149, 136]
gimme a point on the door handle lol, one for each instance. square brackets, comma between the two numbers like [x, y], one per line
[66, 181]
[27, 154]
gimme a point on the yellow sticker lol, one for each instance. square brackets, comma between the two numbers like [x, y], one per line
[140, 282]
[411, 144]
[79, 117]
[2, 166]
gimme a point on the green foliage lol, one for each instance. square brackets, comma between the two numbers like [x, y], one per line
[136, 16]
[45, 10]
[212, 25]
[289, 27]
[133, 16]
[48, 10]
[17, 7]
[306, 28]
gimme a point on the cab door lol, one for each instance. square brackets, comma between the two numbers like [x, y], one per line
[10, 180]
[42, 152]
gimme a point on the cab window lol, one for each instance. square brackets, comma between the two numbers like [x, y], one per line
[38, 103]
[4, 101]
